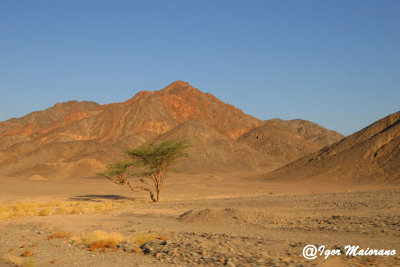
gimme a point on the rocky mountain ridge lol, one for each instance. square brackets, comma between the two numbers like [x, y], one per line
[79, 138]
[369, 155]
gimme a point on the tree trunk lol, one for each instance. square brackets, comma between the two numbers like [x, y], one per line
[158, 194]
[144, 188]
[152, 197]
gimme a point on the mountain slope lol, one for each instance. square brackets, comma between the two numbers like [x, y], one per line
[56, 141]
[149, 114]
[214, 151]
[278, 141]
[310, 131]
[369, 155]
[40, 122]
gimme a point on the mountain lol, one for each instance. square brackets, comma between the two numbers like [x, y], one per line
[79, 138]
[369, 155]
[41, 122]
[214, 151]
[289, 140]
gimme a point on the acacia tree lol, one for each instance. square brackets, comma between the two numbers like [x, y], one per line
[151, 161]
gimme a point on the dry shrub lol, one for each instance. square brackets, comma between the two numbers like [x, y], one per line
[99, 207]
[141, 239]
[45, 212]
[27, 253]
[60, 235]
[102, 244]
[4, 215]
[53, 261]
[17, 261]
[30, 262]
[76, 210]
[63, 209]
[100, 239]
[37, 177]
[50, 204]
[19, 209]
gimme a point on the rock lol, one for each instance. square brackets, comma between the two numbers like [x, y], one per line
[166, 242]
[229, 263]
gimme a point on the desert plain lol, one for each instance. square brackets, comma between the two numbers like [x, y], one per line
[234, 219]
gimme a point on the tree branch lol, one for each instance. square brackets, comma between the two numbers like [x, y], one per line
[114, 181]
[143, 188]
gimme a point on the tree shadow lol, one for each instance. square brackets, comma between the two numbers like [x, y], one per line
[99, 198]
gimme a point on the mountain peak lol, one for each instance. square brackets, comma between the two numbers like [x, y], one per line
[178, 86]
[76, 133]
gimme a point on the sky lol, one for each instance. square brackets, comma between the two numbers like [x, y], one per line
[333, 62]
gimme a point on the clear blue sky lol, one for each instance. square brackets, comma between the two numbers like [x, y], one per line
[336, 63]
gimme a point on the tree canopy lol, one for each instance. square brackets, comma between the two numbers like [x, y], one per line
[152, 160]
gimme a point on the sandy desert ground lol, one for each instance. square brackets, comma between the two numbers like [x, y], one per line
[206, 220]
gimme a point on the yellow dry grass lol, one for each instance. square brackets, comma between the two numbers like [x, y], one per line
[30, 262]
[101, 240]
[37, 177]
[28, 209]
[61, 235]
[19, 261]
[14, 260]
[141, 239]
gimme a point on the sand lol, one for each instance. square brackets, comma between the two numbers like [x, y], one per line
[216, 219]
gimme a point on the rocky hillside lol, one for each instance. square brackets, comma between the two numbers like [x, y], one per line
[369, 155]
[288, 140]
[79, 138]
